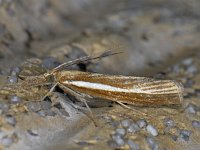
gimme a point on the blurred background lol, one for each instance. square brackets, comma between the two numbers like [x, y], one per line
[150, 32]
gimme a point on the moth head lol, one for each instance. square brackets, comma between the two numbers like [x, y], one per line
[49, 77]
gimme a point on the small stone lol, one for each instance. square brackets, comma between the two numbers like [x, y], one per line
[192, 109]
[192, 69]
[118, 140]
[120, 131]
[41, 113]
[15, 99]
[187, 61]
[4, 107]
[133, 128]
[174, 137]
[189, 83]
[15, 71]
[12, 79]
[50, 63]
[132, 145]
[34, 106]
[169, 122]
[10, 120]
[45, 105]
[152, 130]
[2, 134]
[176, 68]
[126, 123]
[196, 124]
[50, 113]
[185, 135]
[142, 123]
[7, 141]
[32, 133]
[152, 143]
[107, 118]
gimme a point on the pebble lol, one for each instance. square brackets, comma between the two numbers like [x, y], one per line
[32, 133]
[152, 130]
[176, 68]
[192, 109]
[4, 107]
[132, 145]
[12, 79]
[120, 131]
[192, 69]
[41, 113]
[133, 128]
[126, 123]
[169, 122]
[174, 137]
[189, 83]
[7, 141]
[185, 135]
[152, 143]
[142, 123]
[196, 124]
[50, 63]
[187, 61]
[118, 139]
[15, 99]
[15, 71]
[50, 113]
[34, 106]
[45, 105]
[10, 120]
[2, 134]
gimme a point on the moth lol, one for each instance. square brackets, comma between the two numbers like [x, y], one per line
[138, 91]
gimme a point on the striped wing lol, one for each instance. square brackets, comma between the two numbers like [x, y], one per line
[140, 91]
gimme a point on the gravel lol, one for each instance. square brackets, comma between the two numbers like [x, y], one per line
[118, 139]
[133, 128]
[196, 124]
[34, 106]
[45, 105]
[4, 107]
[15, 71]
[126, 123]
[121, 131]
[7, 141]
[152, 130]
[12, 79]
[50, 63]
[142, 123]
[132, 145]
[32, 133]
[152, 143]
[192, 109]
[15, 99]
[168, 122]
[185, 135]
[10, 120]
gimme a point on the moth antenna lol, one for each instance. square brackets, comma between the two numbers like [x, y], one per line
[85, 59]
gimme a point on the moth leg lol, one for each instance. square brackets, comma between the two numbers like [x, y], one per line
[136, 111]
[79, 96]
[50, 91]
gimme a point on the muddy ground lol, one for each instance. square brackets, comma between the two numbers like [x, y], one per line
[158, 38]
